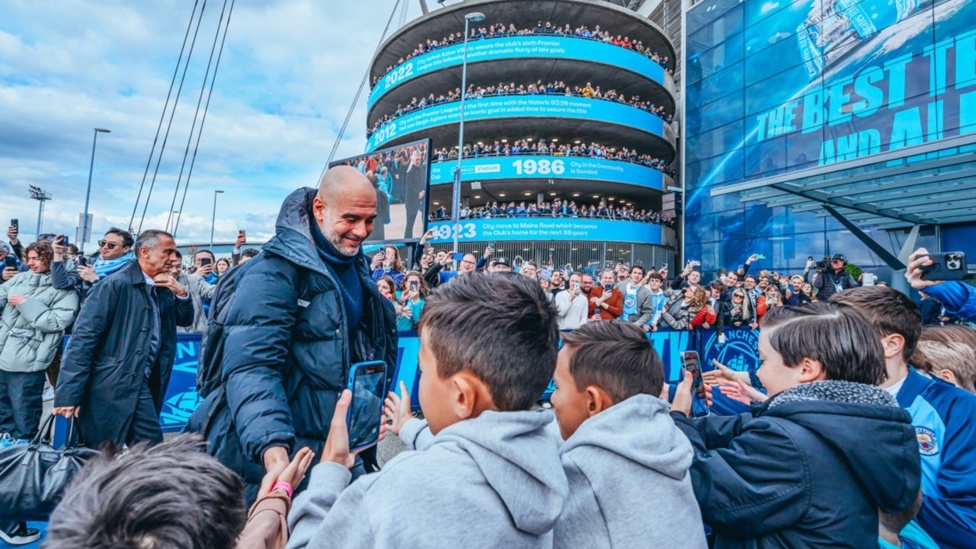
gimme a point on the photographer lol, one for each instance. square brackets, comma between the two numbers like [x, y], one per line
[830, 279]
[688, 277]
[411, 301]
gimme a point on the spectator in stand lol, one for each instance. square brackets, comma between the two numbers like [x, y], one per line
[638, 305]
[606, 302]
[528, 269]
[685, 309]
[960, 375]
[586, 283]
[8, 272]
[572, 304]
[658, 299]
[813, 464]
[546, 286]
[833, 279]
[500, 265]
[558, 279]
[387, 288]
[248, 255]
[388, 264]
[941, 413]
[16, 251]
[114, 252]
[204, 262]
[411, 301]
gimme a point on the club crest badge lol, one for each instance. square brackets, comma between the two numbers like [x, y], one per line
[927, 443]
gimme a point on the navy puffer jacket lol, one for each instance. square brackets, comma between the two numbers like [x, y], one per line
[287, 351]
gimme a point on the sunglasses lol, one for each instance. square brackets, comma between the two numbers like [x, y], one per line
[107, 245]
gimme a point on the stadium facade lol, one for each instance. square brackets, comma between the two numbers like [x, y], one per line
[401, 79]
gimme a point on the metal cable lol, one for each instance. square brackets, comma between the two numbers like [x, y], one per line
[196, 114]
[162, 115]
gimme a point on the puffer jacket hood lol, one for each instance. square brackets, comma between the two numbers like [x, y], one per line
[30, 333]
[840, 412]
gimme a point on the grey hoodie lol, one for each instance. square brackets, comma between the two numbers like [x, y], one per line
[629, 484]
[490, 482]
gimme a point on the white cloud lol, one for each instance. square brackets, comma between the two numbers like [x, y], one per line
[289, 71]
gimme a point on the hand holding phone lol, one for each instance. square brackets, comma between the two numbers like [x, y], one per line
[699, 400]
[947, 266]
[456, 256]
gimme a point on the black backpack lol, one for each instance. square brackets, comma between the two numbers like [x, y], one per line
[212, 341]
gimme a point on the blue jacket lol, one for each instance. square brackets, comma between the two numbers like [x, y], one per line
[810, 467]
[944, 417]
[287, 349]
[958, 298]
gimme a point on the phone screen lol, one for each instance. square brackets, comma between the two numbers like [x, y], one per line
[205, 261]
[608, 287]
[413, 285]
[691, 363]
[367, 381]
[10, 262]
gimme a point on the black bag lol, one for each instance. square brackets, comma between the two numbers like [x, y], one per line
[33, 476]
[212, 340]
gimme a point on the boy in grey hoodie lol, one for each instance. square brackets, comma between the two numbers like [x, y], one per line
[486, 473]
[626, 461]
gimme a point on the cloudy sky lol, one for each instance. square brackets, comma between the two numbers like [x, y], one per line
[289, 72]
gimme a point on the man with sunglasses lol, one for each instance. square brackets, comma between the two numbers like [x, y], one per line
[114, 252]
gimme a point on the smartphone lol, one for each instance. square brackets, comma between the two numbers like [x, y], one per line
[664, 266]
[491, 245]
[691, 363]
[760, 256]
[947, 266]
[367, 381]
[15, 223]
[205, 261]
[9, 262]
[240, 232]
[64, 240]
[607, 288]
[576, 286]
[456, 256]
[413, 285]
[82, 260]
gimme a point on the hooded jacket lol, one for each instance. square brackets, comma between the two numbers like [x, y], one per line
[490, 482]
[31, 333]
[287, 347]
[810, 467]
[629, 487]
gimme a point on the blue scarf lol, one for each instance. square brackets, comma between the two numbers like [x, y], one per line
[343, 269]
[105, 267]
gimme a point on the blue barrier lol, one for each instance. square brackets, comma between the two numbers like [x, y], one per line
[518, 47]
[739, 353]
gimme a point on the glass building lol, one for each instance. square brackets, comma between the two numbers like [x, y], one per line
[815, 127]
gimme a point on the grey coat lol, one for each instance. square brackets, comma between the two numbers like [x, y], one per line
[106, 357]
[31, 332]
[199, 290]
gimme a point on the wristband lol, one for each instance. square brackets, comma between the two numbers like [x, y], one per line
[283, 485]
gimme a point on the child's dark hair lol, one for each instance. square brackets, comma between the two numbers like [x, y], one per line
[124, 501]
[840, 338]
[888, 310]
[615, 356]
[499, 326]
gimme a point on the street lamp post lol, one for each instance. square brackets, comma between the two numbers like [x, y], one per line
[41, 196]
[85, 229]
[213, 218]
[456, 194]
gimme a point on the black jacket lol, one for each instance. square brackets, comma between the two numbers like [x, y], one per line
[808, 468]
[105, 360]
[287, 353]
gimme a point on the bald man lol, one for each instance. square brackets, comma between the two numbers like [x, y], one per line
[303, 311]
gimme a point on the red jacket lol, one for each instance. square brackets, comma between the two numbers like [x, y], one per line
[615, 305]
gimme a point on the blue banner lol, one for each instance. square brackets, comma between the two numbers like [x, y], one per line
[181, 394]
[518, 47]
[547, 228]
[518, 106]
[547, 167]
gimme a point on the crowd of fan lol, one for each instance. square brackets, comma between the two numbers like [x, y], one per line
[501, 31]
[557, 208]
[587, 91]
[542, 147]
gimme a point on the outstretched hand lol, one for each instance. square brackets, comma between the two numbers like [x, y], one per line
[291, 473]
[740, 392]
[721, 371]
[397, 409]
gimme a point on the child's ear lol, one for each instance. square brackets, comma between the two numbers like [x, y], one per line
[811, 370]
[946, 374]
[597, 400]
[470, 396]
[893, 345]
